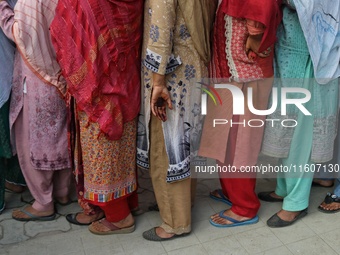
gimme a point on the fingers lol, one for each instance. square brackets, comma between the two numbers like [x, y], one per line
[160, 100]
[248, 46]
[159, 112]
[251, 55]
[169, 103]
[153, 110]
[158, 108]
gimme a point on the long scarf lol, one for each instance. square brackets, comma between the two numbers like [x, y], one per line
[199, 17]
[7, 51]
[265, 11]
[98, 47]
[33, 40]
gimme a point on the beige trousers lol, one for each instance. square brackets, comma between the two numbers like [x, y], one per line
[173, 199]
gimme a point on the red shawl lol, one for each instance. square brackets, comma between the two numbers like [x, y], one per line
[265, 11]
[98, 48]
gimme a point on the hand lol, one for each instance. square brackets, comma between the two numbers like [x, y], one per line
[252, 47]
[160, 97]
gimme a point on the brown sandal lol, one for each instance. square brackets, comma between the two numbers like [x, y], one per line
[113, 229]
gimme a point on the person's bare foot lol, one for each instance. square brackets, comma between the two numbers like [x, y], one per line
[331, 204]
[125, 223]
[14, 187]
[288, 215]
[20, 214]
[229, 213]
[323, 183]
[332, 207]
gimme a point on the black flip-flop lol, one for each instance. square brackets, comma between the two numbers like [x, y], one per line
[329, 199]
[72, 218]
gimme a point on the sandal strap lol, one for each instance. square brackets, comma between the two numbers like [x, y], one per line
[221, 215]
[331, 198]
[109, 225]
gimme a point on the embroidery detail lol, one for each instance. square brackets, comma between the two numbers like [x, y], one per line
[179, 171]
[154, 60]
[173, 63]
[154, 33]
[184, 32]
[190, 72]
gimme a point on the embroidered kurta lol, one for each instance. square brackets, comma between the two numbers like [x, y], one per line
[292, 60]
[47, 110]
[98, 47]
[231, 64]
[168, 48]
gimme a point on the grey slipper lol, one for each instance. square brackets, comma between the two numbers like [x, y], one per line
[276, 222]
[151, 235]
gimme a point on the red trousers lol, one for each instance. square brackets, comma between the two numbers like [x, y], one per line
[239, 190]
[118, 209]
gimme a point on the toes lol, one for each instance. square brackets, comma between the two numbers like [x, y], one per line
[16, 213]
[98, 226]
[214, 217]
[19, 214]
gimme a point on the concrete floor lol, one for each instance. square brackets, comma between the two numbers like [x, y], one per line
[317, 233]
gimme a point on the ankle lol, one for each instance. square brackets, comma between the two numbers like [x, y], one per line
[128, 220]
[162, 233]
[63, 199]
[273, 194]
